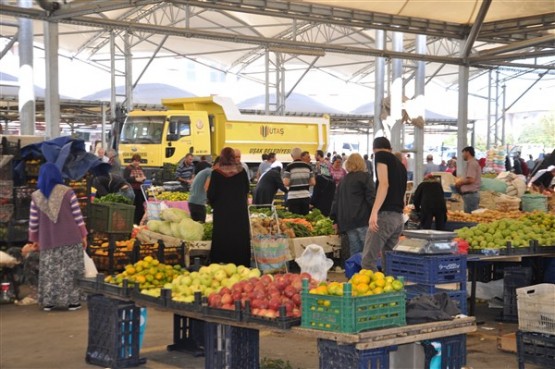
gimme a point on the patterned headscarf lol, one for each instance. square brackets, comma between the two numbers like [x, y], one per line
[49, 177]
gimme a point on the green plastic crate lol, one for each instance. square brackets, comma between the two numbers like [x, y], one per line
[350, 314]
[112, 217]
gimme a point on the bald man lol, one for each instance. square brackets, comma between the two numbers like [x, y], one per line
[245, 166]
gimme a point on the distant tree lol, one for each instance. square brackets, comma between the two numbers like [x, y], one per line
[542, 132]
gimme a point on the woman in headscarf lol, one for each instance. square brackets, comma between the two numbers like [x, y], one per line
[227, 194]
[268, 184]
[57, 225]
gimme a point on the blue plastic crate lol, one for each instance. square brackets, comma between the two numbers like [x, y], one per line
[535, 348]
[333, 356]
[426, 269]
[114, 333]
[421, 289]
[231, 347]
[453, 351]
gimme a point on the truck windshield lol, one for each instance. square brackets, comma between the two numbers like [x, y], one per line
[144, 130]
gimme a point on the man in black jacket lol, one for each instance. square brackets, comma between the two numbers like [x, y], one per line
[429, 201]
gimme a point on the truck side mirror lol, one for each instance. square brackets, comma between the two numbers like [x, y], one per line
[172, 137]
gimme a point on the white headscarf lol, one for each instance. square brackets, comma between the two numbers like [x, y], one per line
[275, 164]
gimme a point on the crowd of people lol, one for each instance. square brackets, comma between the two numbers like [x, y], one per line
[364, 196]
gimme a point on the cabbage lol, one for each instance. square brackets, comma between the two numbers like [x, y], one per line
[154, 225]
[174, 215]
[191, 230]
[165, 228]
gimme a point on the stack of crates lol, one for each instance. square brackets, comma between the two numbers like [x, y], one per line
[513, 278]
[536, 324]
[231, 347]
[429, 274]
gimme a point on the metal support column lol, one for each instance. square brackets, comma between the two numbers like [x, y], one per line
[113, 75]
[267, 85]
[280, 83]
[396, 106]
[489, 125]
[462, 118]
[103, 125]
[496, 128]
[419, 88]
[52, 94]
[128, 72]
[379, 71]
[26, 83]
[503, 115]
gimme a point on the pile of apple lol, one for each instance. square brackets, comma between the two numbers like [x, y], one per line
[209, 279]
[265, 295]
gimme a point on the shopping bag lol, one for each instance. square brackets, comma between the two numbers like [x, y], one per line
[90, 268]
[314, 262]
[271, 252]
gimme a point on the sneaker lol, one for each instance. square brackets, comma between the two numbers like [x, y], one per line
[48, 308]
[74, 307]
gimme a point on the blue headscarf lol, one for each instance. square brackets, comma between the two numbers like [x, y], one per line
[49, 177]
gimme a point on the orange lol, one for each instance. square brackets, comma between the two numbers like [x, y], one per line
[362, 288]
[322, 290]
[140, 279]
[380, 282]
[378, 275]
[377, 290]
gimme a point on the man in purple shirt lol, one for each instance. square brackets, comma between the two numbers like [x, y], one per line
[470, 181]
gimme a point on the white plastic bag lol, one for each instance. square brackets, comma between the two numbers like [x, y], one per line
[90, 268]
[314, 261]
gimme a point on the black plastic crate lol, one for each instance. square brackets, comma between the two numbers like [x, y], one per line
[113, 333]
[459, 296]
[535, 348]
[188, 335]
[453, 351]
[514, 277]
[231, 347]
[281, 322]
[235, 314]
[333, 355]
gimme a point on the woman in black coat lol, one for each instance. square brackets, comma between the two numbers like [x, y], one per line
[227, 194]
[429, 201]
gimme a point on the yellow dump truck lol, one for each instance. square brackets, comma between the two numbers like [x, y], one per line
[205, 125]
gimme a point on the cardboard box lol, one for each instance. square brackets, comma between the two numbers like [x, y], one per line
[330, 244]
[507, 342]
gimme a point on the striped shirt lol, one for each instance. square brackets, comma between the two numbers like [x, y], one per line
[299, 174]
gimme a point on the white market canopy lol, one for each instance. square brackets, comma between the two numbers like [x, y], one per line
[256, 39]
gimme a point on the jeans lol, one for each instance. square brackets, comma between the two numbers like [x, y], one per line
[390, 226]
[356, 239]
[471, 202]
[198, 212]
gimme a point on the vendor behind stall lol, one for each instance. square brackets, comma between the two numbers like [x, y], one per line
[106, 182]
[429, 202]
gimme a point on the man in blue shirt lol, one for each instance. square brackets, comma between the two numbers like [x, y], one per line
[197, 194]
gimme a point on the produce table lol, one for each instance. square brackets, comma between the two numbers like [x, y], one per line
[242, 338]
[473, 260]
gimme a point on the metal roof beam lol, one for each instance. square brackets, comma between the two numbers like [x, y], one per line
[182, 32]
[334, 15]
[475, 30]
[93, 7]
[516, 46]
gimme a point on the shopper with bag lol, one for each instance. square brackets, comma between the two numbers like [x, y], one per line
[56, 224]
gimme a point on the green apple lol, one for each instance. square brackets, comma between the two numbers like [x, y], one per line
[204, 270]
[230, 269]
[220, 275]
[186, 281]
[254, 273]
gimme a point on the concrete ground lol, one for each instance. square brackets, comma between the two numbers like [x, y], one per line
[33, 339]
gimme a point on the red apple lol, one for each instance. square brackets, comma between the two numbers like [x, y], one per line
[224, 291]
[289, 291]
[266, 279]
[296, 313]
[248, 287]
[306, 275]
[214, 300]
[296, 299]
[227, 299]
[274, 303]
[268, 313]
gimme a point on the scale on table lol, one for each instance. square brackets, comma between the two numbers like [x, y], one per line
[425, 241]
